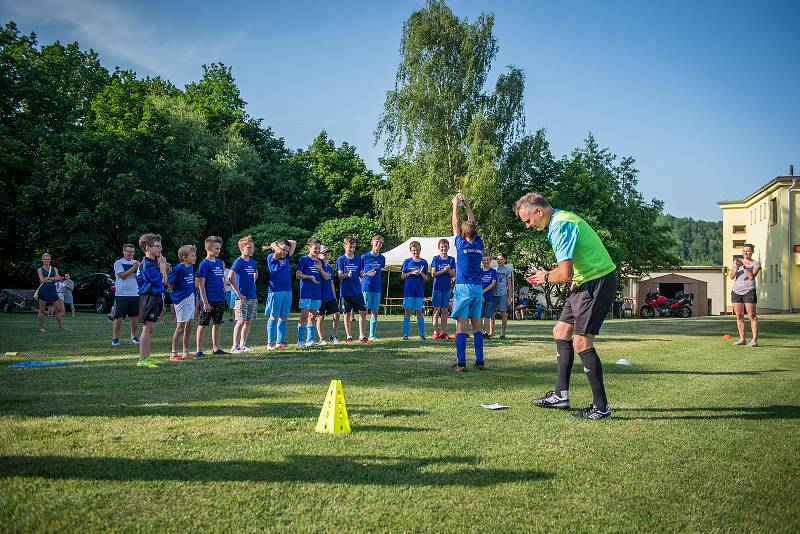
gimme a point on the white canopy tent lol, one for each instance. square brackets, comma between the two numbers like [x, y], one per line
[430, 248]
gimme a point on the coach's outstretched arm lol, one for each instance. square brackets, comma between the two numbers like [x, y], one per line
[456, 226]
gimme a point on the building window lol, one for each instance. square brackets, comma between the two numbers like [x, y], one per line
[773, 211]
[738, 243]
[738, 228]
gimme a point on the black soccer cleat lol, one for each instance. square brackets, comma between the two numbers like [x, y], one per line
[552, 400]
[592, 412]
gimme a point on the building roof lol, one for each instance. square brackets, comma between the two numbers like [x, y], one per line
[775, 182]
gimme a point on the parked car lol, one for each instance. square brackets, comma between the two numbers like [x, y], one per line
[96, 291]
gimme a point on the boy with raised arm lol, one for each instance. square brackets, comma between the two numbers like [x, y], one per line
[279, 294]
[468, 289]
[443, 270]
[414, 274]
[373, 262]
[311, 275]
[151, 279]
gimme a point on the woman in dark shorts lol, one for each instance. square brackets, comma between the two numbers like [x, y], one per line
[48, 295]
[743, 293]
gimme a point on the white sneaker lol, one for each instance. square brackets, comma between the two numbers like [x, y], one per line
[311, 343]
[301, 344]
[235, 350]
[271, 346]
[322, 343]
[246, 348]
[335, 340]
[135, 340]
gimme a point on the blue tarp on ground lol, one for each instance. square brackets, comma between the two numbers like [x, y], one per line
[32, 363]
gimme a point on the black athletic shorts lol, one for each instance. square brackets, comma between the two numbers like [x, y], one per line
[747, 298]
[355, 302]
[150, 307]
[126, 307]
[217, 313]
[328, 308]
[587, 306]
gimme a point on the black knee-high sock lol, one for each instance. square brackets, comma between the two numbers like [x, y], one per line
[566, 357]
[594, 374]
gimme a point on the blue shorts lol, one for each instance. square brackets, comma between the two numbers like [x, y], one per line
[440, 299]
[372, 300]
[230, 298]
[278, 304]
[310, 304]
[413, 303]
[467, 301]
[488, 307]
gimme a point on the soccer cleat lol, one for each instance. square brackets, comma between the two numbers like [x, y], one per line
[405, 338]
[234, 350]
[447, 337]
[373, 339]
[246, 348]
[348, 340]
[436, 336]
[188, 356]
[334, 340]
[363, 340]
[200, 355]
[301, 344]
[219, 352]
[592, 412]
[551, 400]
[115, 342]
[311, 343]
[135, 340]
[175, 357]
[458, 368]
[271, 346]
[322, 343]
[147, 362]
[280, 346]
[479, 366]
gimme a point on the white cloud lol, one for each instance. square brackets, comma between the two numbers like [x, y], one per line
[117, 31]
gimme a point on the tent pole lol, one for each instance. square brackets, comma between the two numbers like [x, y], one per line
[386, 302]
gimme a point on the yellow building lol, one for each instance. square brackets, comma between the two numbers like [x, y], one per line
[768, 219]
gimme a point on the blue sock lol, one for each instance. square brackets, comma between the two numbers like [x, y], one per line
[421, 325]
[272, 329]
[477, 339]
[310, 331]
[406, 325]
[461, 349]
[373, 326]
[301, 333]
[282, 330]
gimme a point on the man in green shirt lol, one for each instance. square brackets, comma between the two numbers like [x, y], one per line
[584, 261]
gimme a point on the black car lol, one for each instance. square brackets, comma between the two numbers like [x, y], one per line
[95, 290]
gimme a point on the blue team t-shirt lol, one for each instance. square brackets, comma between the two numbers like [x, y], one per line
[414, 285]
[350, 286]
[468, 258]
[182, 280]
[149, 278]
[371, 262]
[308, 289]
[214, 273]
[487, 277]
[280, 273]
[246, 271]
[442, 282]
[327, 291]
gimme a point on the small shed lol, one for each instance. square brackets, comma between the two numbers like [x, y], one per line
[669, 284]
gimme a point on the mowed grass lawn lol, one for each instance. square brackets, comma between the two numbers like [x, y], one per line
[705, 436]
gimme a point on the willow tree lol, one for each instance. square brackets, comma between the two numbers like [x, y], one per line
[443, 130]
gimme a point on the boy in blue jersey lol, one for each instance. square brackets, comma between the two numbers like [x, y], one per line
[488, 281]
[349, 267]
[443, 270]
[330, 305]
[211, 282]
[414, 274]
[373, 262]
[279, 294]
[311, 275]
[181, 281]
[151, 278]
[468, 291]
[242, 278]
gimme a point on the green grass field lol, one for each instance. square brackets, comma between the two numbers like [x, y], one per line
[705, 436]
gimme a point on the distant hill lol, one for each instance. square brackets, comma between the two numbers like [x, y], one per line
[699, 242]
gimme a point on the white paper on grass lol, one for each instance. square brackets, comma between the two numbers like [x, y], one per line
[623, 361]
[494, 406]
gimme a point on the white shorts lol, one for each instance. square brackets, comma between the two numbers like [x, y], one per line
[184, 310]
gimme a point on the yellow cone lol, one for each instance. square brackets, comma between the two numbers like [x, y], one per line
[12, 354]
[333, 417]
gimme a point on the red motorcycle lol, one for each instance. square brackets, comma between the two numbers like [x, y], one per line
[656, 304]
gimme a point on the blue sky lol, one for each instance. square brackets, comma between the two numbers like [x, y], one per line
[703, 94]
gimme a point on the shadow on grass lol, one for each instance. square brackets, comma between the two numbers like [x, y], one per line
[716, 412]
[365, 470]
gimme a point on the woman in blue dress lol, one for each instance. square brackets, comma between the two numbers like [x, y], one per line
[48, 295]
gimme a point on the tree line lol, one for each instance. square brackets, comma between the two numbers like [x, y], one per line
[94, 158]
